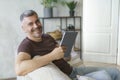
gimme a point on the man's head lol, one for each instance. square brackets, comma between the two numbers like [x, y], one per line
[31, 24]
[27, 13]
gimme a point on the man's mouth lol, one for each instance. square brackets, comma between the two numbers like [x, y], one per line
[37, 31]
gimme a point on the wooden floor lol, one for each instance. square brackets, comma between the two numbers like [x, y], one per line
[9, 79]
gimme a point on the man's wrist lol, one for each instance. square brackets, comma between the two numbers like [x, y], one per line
[52, 56]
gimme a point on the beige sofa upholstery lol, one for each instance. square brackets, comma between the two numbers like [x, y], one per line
[48, 72]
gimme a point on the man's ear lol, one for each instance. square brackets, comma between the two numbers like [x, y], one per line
[23, 26]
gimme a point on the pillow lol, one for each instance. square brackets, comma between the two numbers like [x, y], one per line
[99, 75]
[48, 72]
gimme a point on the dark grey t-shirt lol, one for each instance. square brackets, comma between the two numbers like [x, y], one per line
[44, 47]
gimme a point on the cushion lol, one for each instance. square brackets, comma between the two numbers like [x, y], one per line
[48, 72]
[99, 75]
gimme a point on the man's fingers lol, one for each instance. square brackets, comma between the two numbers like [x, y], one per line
[64, 48]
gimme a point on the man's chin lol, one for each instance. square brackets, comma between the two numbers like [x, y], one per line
[37, 35]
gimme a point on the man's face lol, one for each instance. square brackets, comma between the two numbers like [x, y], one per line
[32, 26]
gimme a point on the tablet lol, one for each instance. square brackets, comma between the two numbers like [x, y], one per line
[68, 39]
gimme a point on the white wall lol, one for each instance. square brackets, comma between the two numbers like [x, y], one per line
[118, 56]
[11, 33]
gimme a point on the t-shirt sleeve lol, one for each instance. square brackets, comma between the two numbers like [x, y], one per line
[63, 66]
[25, 47]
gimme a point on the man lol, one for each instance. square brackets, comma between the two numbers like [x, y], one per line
[38, 50]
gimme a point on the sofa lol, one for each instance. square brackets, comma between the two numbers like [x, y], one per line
[48, 72]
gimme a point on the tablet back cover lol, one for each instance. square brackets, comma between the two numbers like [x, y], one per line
[68, 40]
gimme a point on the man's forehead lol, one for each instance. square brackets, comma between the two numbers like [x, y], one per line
[30, 18]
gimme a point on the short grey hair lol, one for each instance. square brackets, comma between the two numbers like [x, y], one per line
[27, 13]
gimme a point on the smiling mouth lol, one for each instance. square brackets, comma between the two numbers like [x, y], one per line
[37, 31]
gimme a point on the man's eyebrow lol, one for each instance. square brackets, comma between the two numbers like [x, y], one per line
[30, 23]
[37, 20]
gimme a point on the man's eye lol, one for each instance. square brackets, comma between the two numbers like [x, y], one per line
[30, 24]
[38, 21]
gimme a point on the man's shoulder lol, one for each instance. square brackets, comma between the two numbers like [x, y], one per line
[25, 42]
[45, 35]
[25, 46]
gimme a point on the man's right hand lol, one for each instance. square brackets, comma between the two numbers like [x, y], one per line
[57, 53]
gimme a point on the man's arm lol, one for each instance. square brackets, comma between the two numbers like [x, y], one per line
[24, 64]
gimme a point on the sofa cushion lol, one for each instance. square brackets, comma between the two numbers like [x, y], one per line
[48, 72]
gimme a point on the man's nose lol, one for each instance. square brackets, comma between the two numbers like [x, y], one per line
[35, 26]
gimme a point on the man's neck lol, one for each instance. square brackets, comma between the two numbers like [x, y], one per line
[35, 39]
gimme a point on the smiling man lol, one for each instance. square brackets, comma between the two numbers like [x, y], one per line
[38, 50]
